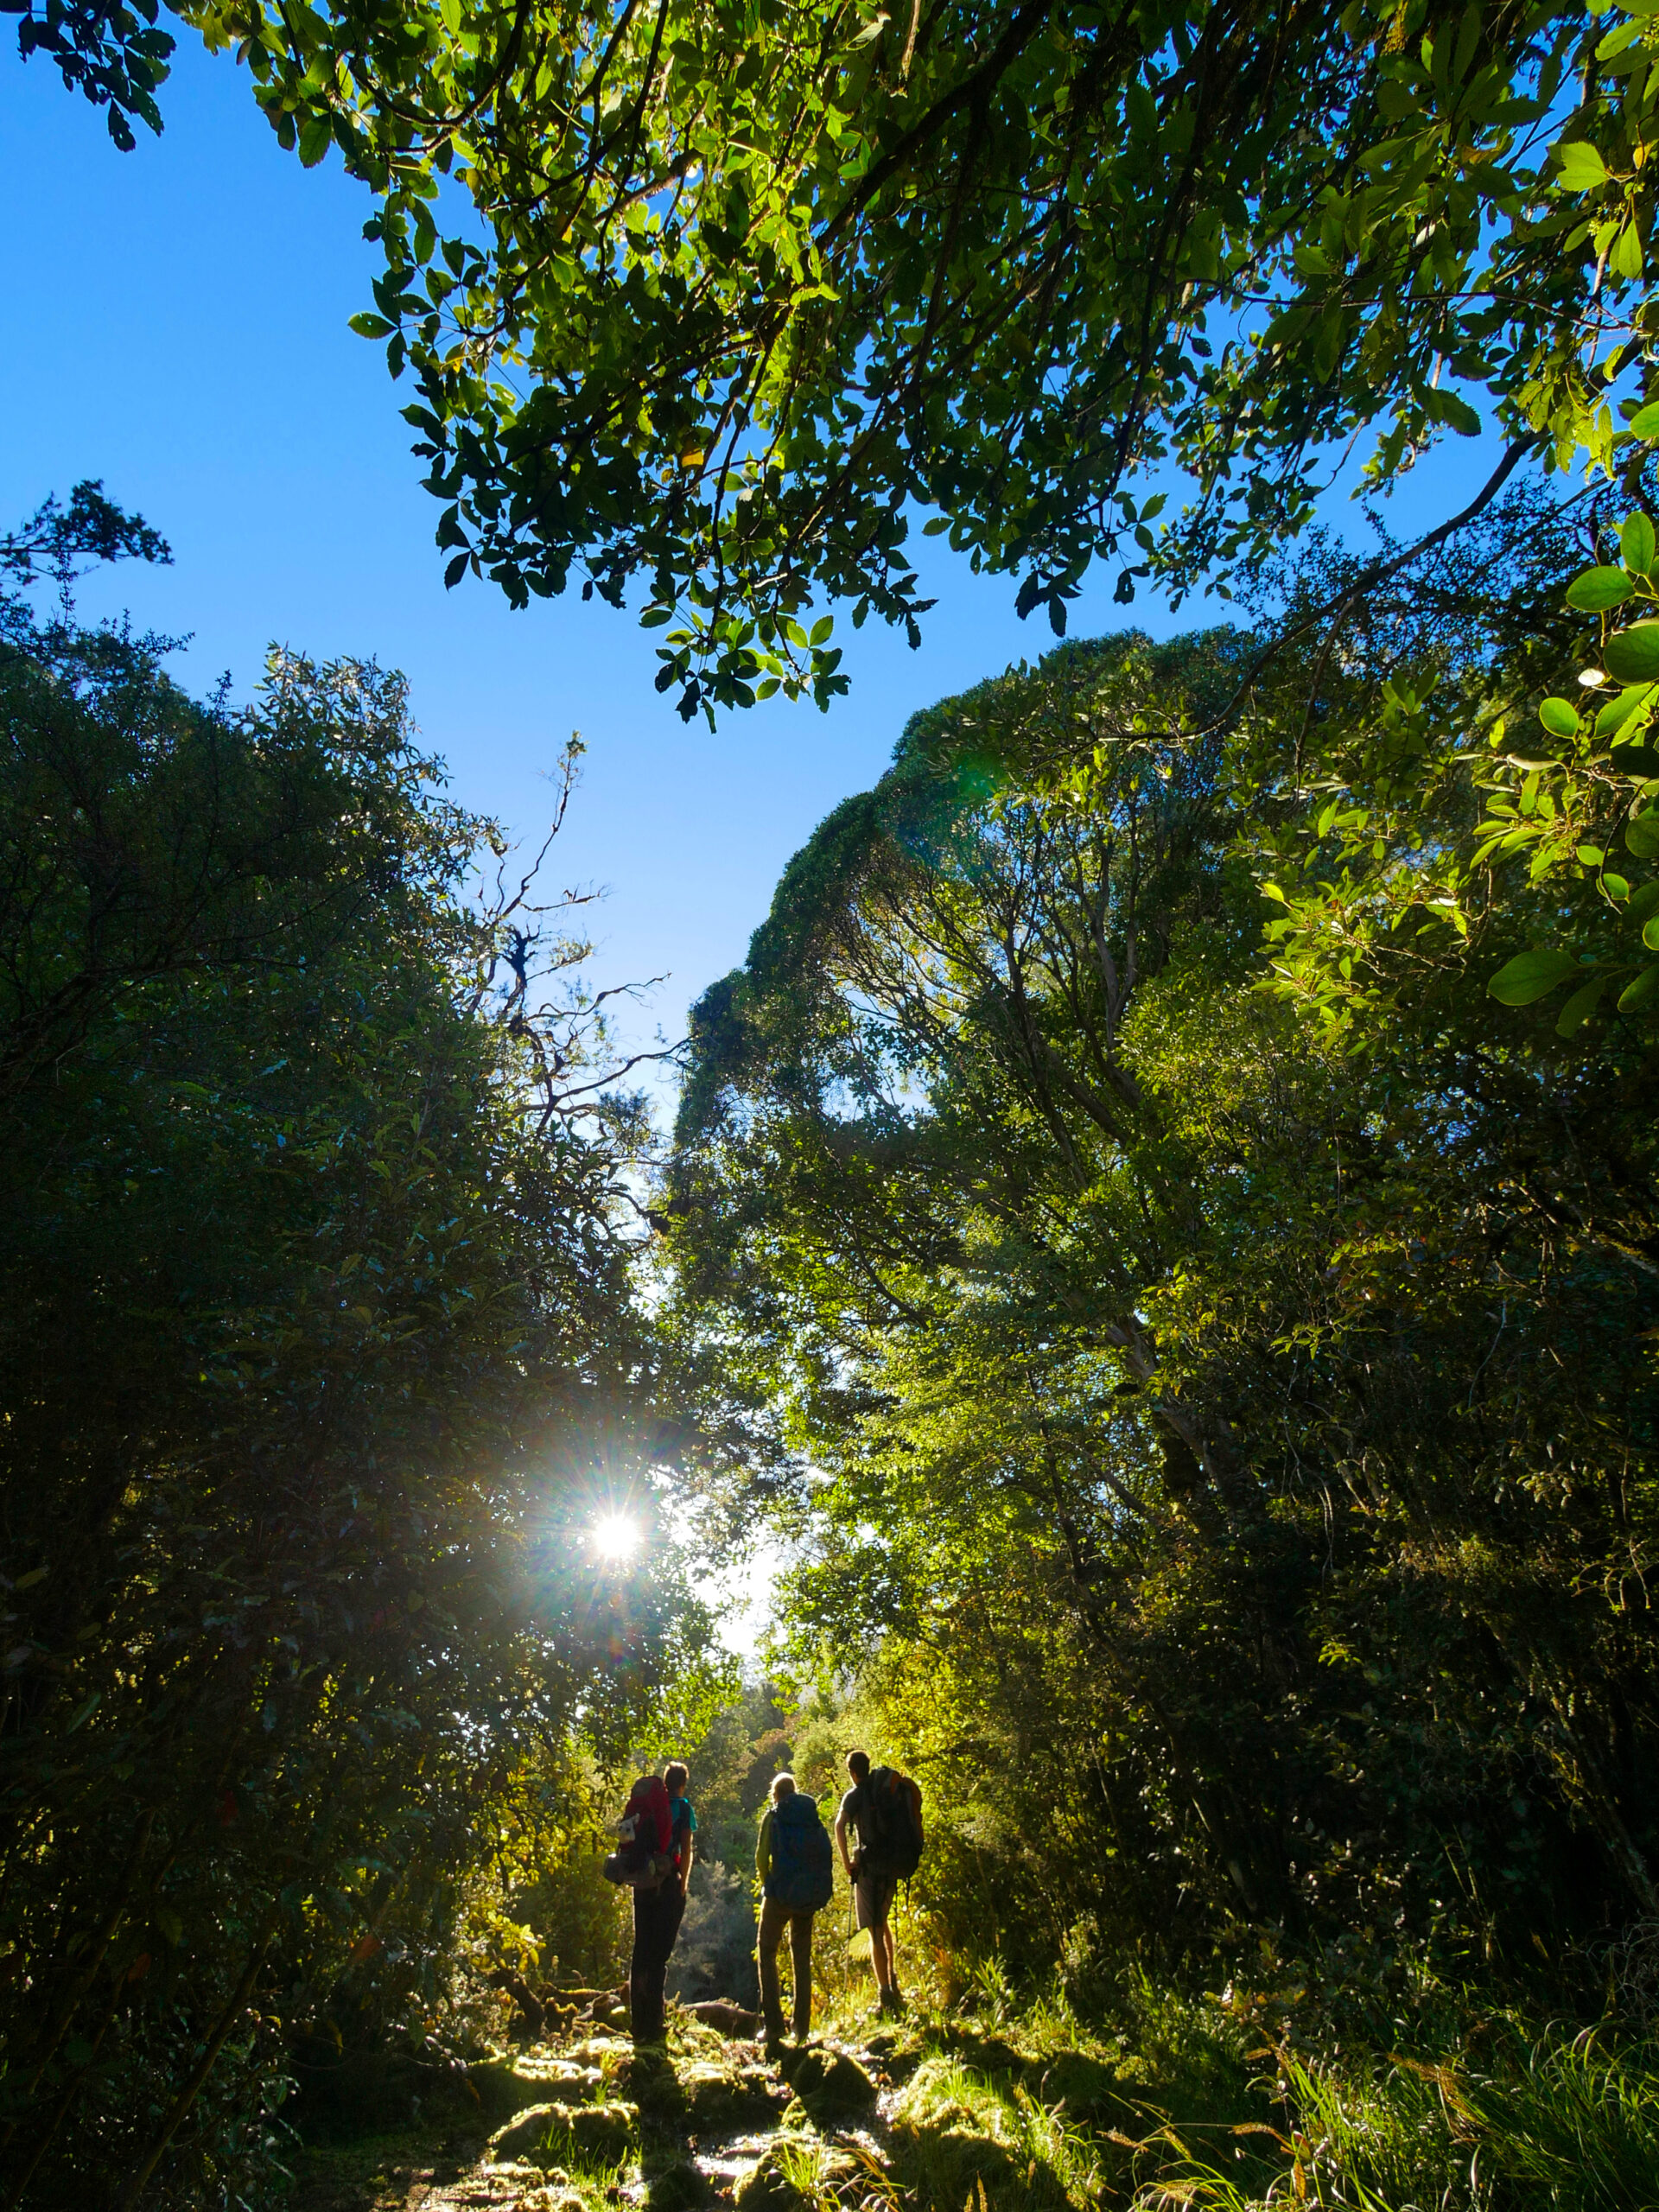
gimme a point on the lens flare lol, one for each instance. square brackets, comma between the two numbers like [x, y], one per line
[616, 1536]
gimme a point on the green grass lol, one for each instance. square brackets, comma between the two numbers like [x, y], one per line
[1552, 2121]
[961, 2133]
[1174, 2100]
[1573, 2123]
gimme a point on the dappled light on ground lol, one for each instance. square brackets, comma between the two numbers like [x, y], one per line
[1169, 2104]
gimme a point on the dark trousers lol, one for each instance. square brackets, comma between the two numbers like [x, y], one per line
[774, 1919]
[657, 1916]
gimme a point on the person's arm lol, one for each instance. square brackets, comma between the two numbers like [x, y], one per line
[841, 1840]
[687, 1855]
[763, 1849]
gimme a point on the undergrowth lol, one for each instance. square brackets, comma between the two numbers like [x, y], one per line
[1164, 2103]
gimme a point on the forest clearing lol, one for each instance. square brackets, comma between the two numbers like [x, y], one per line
[1149, 1261]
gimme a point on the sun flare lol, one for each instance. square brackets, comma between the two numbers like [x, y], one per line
[616, 1536]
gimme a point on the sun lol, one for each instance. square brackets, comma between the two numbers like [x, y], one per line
[616, 1536]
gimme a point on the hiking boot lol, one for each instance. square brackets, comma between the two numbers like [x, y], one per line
[895, 2003]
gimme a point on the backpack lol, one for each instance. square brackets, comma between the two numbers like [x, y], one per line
[678, 1837]
[894, 1805]
[647, 1850]
[803, 1873]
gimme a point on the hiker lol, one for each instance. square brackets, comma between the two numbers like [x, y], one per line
[798, 1878]
[883, 1809]
[666, 1821]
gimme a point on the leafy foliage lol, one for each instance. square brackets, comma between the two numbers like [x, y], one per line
[714, 299]
[1237, 1431]
[111, 52]
[1451, 798]
[319, 1357]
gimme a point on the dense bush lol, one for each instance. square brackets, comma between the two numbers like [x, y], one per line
[318, 1355]
[1221, 1390]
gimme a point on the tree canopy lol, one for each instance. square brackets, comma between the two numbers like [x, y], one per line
[721, 301]
[320, 1355]
[1236, 1424]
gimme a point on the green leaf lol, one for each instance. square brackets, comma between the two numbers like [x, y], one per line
[1580, 166]
[1582, 1004]
[822, 628]
[1638, 993]
[1559, 717]
[1643, 902]
[316, 136]
[1632, 655]
[1452, 409]
[1532, 976]
[1617, 711]
[1594, 590]
[1650, 935]
[1617, 41]
[371, 325]
[1642, 835]
[1626, 259]
[1635, 545]
[1644, 423]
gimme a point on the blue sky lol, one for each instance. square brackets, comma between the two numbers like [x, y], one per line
[178, 327]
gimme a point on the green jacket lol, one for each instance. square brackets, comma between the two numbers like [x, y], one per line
[763, 1847]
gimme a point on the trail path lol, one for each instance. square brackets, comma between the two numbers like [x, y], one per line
[575, 2122]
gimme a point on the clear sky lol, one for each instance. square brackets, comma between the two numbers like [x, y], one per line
[177, 325]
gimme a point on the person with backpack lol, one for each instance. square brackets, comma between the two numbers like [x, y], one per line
[798, 1878]
[883, 1809]
[657, 1862]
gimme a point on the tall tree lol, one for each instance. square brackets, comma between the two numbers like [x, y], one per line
[319, 1354]
[1260, 1419]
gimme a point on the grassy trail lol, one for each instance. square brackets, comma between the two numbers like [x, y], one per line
[1179, 2106]
[921, 2117]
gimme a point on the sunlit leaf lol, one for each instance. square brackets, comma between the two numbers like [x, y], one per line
[1636, 544]
[1579, 167]
[1595, 590]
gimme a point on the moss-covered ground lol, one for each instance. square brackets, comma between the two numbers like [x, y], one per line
[928, 2114]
